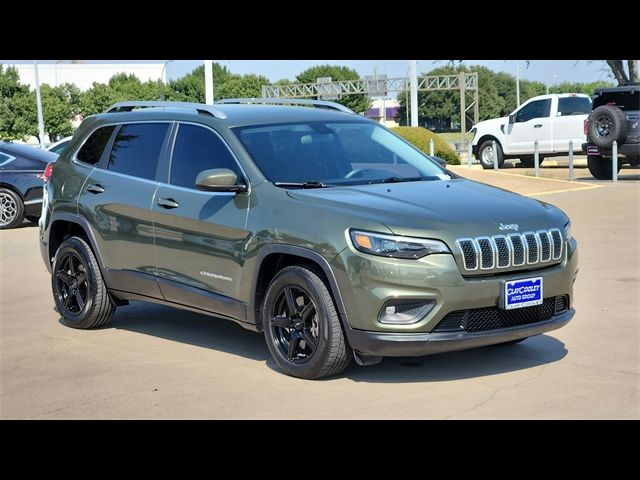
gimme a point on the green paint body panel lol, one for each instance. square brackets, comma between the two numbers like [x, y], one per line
[213, 242]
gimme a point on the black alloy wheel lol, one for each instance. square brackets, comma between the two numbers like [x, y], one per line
[72, 283]
[294, 322]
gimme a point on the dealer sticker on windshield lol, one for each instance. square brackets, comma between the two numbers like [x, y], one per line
[522, 293]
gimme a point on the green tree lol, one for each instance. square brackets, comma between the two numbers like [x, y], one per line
[96, 100]
[356, 102]
[17, 106]
[59, 106]
[577, 87]
[245, 86]
[190, 87]
[496, 96]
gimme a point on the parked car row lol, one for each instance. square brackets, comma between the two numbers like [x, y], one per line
[558, 119]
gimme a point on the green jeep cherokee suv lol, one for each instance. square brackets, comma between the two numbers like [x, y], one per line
[318, 227]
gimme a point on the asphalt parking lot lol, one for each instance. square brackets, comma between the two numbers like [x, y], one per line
[157, 362]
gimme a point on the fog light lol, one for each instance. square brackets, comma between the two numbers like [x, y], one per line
[404, 312]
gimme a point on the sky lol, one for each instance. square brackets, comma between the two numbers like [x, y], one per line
[545, 71]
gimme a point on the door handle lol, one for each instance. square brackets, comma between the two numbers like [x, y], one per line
[537, 125]
[168, 203]
[95, 188]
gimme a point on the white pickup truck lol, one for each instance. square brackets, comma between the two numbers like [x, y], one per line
[552, 120]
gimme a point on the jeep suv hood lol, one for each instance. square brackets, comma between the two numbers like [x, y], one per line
[445, 209]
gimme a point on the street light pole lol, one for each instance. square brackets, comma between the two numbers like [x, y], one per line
[162, 80]
[518, 84]
[39, 106]
[414, 93]
[208, 81]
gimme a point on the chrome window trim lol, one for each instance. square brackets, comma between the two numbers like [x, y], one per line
[10, 158]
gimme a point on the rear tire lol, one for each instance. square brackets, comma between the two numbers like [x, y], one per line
[79, 291]
[485, 154]
[298, 306]
[11, 209]
[606, 124]
[601, 167]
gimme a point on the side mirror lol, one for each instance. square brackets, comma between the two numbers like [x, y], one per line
[219, 180]
[512, 118]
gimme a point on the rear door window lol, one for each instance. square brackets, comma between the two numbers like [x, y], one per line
[573, 106]
[136, 149]
[92, 149]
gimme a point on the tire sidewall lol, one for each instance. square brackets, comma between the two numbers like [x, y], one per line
[489, 143]
[20, 207]
[617, 119]
[71, 319]
[301, 280]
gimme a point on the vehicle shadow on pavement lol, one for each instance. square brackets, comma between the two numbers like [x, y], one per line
[479, 362]
[222, 335]
[191, 328]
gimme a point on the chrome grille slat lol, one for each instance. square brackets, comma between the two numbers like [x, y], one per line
[512, 250]
[556, 238]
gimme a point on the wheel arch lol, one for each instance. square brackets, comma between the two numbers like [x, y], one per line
[65, 225]
[272, 258]
[490, 137]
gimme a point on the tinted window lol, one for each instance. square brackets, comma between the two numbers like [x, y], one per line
[198, 149]
[137, 148]
[573, 106]
[537, 109]
[334, 153]
[92, 149]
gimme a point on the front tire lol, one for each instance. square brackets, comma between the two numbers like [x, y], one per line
[11, 209]
[301, 325]
[601, 167]
[486, 153]
[79, 290]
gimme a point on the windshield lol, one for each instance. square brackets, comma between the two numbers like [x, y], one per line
[339, 153]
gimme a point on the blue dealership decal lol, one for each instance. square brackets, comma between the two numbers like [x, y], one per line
[522, 293]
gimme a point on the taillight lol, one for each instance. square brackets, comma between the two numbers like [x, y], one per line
[586, 126]
[47, 172]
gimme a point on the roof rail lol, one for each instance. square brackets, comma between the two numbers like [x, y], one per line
[290, 101]
[199, 108]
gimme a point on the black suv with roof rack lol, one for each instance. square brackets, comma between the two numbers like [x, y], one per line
[615, 117]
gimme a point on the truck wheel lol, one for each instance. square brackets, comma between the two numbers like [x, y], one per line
[601, 167]
[606, 124]
[79, 291]
[485, 154]
[301, 325]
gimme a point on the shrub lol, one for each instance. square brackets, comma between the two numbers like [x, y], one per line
[420, 137]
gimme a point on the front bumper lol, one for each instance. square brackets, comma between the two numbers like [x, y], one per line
[384, 344]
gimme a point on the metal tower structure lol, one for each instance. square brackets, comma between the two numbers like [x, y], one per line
[465, 83]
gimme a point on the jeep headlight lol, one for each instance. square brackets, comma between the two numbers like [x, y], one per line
[395, 246]
[567, 232]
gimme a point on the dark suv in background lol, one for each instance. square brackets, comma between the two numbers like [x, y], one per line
[324, 230]
[615, 117]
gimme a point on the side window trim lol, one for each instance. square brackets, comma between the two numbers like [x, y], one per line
[224, 142]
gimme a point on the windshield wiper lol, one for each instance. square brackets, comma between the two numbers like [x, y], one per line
[400, 179]
[308, 184]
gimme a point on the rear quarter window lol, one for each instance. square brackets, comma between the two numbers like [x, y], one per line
[92, 149]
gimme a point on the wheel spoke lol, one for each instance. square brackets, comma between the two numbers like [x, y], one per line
[306, 310]
[72, 268]
[291, 301]
[67, 301]
[79, 300]
[65, 277]
[294, 340]
[81, 278]
[282, 322]
[309, 340]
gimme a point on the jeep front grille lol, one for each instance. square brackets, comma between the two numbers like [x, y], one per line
[513, 250]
